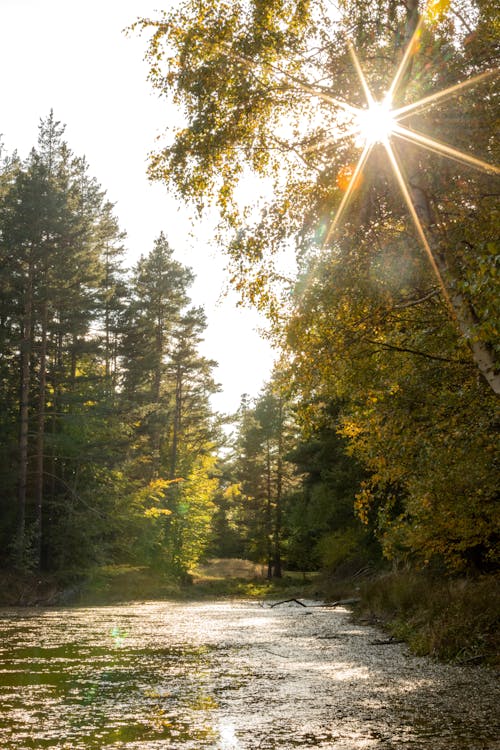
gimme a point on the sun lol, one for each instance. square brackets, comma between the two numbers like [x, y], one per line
[376, 123]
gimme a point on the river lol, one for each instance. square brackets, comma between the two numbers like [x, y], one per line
[229, 676]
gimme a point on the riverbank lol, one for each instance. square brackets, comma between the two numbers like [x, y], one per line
[113, 584]
[450, 619]
[455, 619]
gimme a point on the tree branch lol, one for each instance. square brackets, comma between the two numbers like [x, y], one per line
[408, 350]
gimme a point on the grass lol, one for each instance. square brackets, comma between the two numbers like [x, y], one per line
[452, 619]
[291, 585]
[220, 579]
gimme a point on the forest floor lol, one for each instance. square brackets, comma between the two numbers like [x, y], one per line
[452, 619]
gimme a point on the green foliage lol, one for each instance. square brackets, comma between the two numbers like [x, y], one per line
[190, 525]
[340, 547]
[261, 477]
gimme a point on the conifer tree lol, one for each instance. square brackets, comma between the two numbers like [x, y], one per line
[50, 214]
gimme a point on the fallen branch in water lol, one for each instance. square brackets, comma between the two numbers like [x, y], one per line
[282, 656]
[288, 601]
[341, 602]
[472, 659]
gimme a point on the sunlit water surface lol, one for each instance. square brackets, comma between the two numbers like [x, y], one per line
[229, 676]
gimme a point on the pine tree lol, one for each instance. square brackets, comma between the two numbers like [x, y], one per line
[263, 475]
[50, 214]
[158, 295]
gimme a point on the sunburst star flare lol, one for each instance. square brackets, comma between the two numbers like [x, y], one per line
[379, 123]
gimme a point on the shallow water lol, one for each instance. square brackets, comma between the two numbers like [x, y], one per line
[229, 676]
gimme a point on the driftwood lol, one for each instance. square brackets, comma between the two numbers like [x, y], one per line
[282, 656]
[339, 603]
[472, 659]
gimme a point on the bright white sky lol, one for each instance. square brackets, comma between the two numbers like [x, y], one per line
[73, 57]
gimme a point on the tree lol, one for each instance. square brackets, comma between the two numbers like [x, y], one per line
[322, 528]
[106, 417]
[51, 221]
[166, 386]
[189, 376]
[190, 523]
[158, 295]
[262, 476]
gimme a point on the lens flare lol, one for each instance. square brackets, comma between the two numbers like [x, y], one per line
[380, 123]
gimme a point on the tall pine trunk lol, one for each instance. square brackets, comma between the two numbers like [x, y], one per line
[269, 513]
[176, 427]
[24, 396]
[40, 439]
[279, 494]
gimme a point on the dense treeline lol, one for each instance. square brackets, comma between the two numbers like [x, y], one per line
[107, 439]
[287, 497]
[378, 431]
[109, 447]
[389, 332]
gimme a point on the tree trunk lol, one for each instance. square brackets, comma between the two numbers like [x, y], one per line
[25, 374]
[461, 308]
[176, 427]
[269, 517]
[40, 439]
[279, 492]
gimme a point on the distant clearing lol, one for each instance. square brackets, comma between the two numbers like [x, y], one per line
[229, 568]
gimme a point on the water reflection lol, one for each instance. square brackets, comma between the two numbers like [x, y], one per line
[227, 676]
[227, 733]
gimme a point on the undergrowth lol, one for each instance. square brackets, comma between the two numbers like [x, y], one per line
[451, 619]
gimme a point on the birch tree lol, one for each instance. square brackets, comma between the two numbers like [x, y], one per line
[272, 89]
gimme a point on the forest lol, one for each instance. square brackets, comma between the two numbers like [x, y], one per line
[375, 441]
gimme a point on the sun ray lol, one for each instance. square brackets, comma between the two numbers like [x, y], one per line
[379, 122]
[328, 141]
[327, 97]
[442, 148]
[427, 101]
[416, 220]
[393, 127]
[405, 60]
[353, 183]
[351, 131]
[361, 75]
